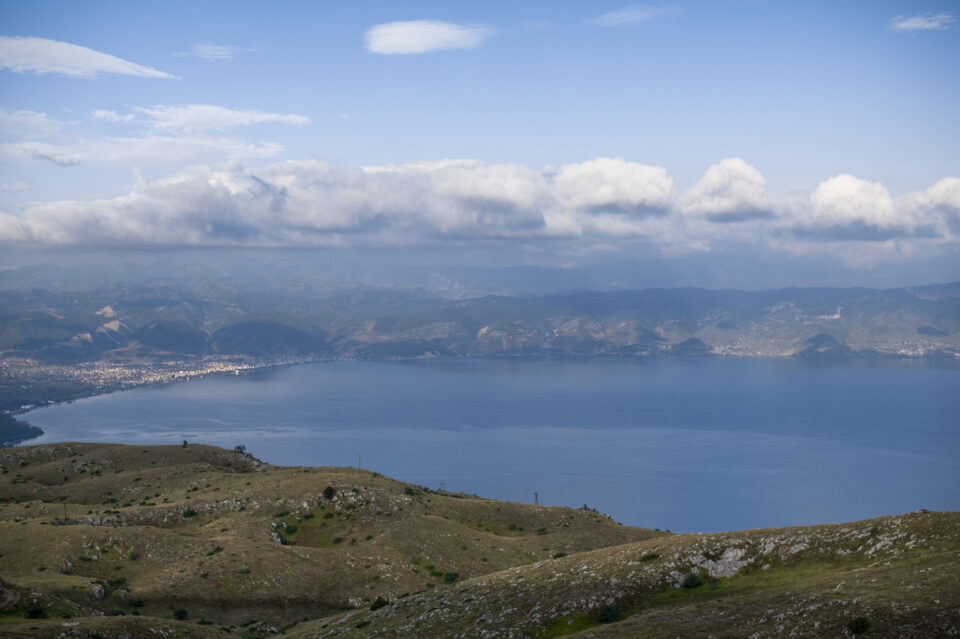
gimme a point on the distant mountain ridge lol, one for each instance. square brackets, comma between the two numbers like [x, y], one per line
[161, 322]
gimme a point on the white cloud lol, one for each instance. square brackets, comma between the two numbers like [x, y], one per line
[926, 22]
[310, 203]
[149, 149]
[632, 15]
[28, 123]
[58, 154]
[13, 188]
[112, 116]
[196, 118]
[730, 191]
[423, 36]
[174, 133]
[215, 52]
[613, 185]
[40, 55]
[845, 207]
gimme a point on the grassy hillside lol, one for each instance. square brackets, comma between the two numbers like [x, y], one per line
[198, 541]
[154, 529]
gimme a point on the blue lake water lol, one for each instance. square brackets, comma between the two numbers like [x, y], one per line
[681, 444]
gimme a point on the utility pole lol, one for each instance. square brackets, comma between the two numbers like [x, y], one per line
[536, 499]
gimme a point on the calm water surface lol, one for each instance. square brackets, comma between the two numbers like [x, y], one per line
[686, 445]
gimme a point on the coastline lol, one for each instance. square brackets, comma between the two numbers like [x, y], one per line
[14, 432]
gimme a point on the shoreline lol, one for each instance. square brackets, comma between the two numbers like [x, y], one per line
[8, 417]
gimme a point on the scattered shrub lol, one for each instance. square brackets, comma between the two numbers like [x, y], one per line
[290, 529]
[559, 555]
[36, 612]
[180, 614]
[338, 540]
[329, 492]
[609, 614]
[692, 581]
[858, 625]
[541, 531]
[450, 577]
[379, 603]
[189, 512]
[650, 556]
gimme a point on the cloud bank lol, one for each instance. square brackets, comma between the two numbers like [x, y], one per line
[601, 201]
[424, 36]
[40, 56]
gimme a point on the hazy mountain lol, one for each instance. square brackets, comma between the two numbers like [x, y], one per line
[366, 322]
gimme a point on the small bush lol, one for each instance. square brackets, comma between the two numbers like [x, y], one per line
[609, 614]
[137, 603]
[541, 531]
[450, 577]
[858, 625]
[290, 529]
[189, 512]
[180, 614]
[329, 492]
[379, 603]
[650, 556]
[692, 581]
[558, 555]
[338, 540]
[36, 612]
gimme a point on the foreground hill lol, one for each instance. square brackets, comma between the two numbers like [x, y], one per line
[198, 541]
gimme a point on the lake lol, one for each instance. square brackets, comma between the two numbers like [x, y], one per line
[692, 445]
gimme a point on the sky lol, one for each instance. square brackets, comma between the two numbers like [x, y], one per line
[741, 143]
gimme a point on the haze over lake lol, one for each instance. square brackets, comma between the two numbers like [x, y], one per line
[681, 444]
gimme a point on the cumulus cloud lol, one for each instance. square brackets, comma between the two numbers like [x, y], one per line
[40, 56]
[927, 22]
[600, 202]
[730, 191]
[613, 185]
[632, 15]
[423, 36]
[939, 202]
[845, 207]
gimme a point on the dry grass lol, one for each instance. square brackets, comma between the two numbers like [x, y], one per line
[248, 549]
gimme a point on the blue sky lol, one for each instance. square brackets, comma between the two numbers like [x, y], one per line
[814, 129]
